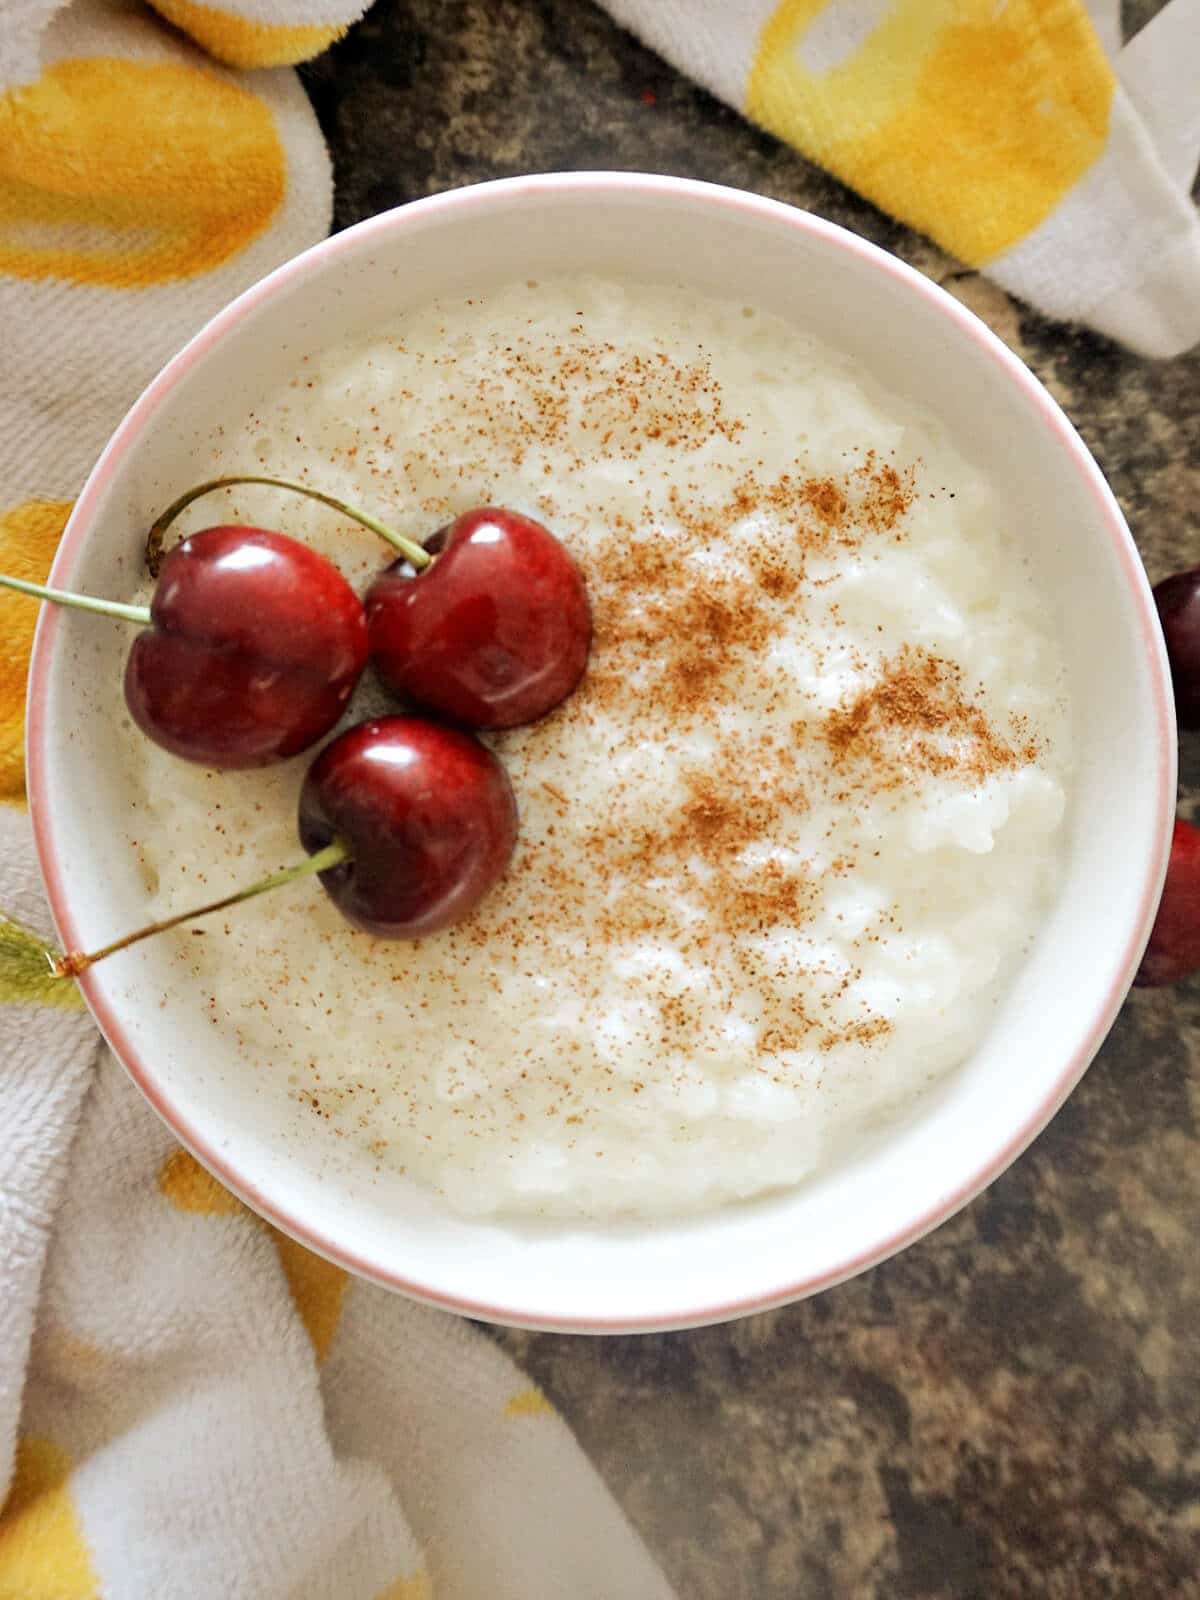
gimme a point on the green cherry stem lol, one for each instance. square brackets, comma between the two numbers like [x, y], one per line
[79, 602]
[77, 961]
[419, 557]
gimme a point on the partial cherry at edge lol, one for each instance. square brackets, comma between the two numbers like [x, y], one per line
[1173, 952]
[1178, 601]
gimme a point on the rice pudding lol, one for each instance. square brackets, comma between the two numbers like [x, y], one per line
[780, 852]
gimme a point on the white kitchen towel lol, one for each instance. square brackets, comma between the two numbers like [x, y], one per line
[1018, 134]
[193, 1407]
[213, 1413]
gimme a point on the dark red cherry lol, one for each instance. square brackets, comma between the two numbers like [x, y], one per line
[426, 814]
[1174, 949]
[493, 633]
[1178, 602]
[255, 645]
[407, 823]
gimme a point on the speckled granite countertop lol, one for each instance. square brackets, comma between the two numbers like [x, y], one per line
[1012, 1406]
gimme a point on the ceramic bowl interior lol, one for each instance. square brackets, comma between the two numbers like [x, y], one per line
[917, 341]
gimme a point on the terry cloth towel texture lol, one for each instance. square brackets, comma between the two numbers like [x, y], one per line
[1021, 135]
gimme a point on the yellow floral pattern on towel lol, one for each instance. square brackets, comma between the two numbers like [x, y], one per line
[902, 118]
[245, 41]
[29, 535]
[43, 1555]
[415, 1587]
[129, 173]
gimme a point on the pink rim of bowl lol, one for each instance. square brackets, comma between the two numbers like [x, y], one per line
[1074, 452]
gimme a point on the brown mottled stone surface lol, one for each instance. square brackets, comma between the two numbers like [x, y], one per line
[1012, 1406]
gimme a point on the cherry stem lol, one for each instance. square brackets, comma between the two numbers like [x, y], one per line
[419, 557]
[79, 602]
[76, 961]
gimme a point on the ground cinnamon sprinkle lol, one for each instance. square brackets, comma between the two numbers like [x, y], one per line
[857, 1033]
[535, 397]
[667, 628]
[916, 718]
[682, 616]
[712, 881]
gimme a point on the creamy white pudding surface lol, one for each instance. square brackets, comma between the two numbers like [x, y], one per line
[778, 855]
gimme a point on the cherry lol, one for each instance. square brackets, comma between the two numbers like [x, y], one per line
[408, 824]
[493, 633]
[253, 647]
[427, 814]
[487, 623]
[1173, 952]
[1178, 602]
[256, 645]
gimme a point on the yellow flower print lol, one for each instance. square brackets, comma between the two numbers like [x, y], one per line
[245, 42]
[43, 1555]
[29, 536]
[902, 118]
[127, 173]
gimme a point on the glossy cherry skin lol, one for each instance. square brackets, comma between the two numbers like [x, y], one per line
[255, 647]
[494, 633]
[1178, 602]
[1174, 949]
[428, 814]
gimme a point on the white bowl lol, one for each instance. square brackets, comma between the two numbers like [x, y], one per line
[920, 343]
